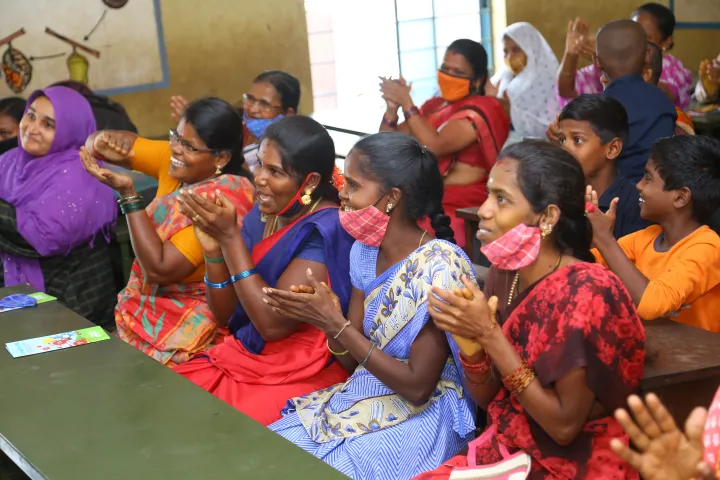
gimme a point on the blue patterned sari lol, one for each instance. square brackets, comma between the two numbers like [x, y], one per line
[361, 427]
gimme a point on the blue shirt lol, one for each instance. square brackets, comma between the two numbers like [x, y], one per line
[628, 219]
[652, 116]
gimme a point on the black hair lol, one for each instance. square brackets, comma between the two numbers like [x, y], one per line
[397, 160]
[607, 117]
[622, 48]
[476, 56]
[287, 87]
[664, 18]
[13, 107]
[655, 62]
[692, 162]
[305, 147]
[549, 175]
[220, 126]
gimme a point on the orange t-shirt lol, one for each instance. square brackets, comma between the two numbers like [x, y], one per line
[684, 282]
[152, 157]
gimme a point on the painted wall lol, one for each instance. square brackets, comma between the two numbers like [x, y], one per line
[551, 18]
[217, 47]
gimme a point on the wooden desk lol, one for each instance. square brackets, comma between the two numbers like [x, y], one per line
[107, 411]
[682, 366]
[470, 217]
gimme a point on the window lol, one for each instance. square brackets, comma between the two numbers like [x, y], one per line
[352, 42]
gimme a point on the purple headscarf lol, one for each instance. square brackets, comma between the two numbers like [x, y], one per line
[59, 206]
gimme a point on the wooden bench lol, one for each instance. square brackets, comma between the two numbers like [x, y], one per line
[108, 411]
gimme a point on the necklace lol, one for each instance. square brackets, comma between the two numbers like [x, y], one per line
[516, 280]
[422, 238]
[273, 227]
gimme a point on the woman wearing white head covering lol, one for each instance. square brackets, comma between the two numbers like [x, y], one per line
[527, 80]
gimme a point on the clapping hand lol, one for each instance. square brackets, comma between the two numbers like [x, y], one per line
[119, 182]
[216, 216]
[178, 105]
[396, 92]
[602, 223]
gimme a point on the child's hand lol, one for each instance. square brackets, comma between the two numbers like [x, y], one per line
[602, 223]
[553, 131]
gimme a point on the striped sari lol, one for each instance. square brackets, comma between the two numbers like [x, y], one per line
[173, 322]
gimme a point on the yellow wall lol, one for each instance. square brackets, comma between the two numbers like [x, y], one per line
[217, 47]
[551, 18]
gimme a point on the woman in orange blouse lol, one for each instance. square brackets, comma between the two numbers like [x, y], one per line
[671, 269]
[163, 310]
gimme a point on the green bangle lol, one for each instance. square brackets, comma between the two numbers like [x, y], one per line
[127, 208]
[214, 260]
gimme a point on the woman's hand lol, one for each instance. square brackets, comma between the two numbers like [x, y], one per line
[315, 304]
[602, 223]
[116, 146]
[123, 184]
[576, 38]
[710, 76]
[491, 90]
[178, 105]
[391, 106]
[469, 348]
[210, 246]
[470, 319]
[215, 215]
[397, 92]
[663, 451]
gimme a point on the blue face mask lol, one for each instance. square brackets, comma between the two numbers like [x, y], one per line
[257, 126]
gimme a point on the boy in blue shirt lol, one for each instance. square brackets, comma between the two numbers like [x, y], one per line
[594, 128]
[621, 49]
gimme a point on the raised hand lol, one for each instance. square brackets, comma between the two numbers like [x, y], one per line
[576, 36]
[123, 184]
[115, 146]
[602, 223]
[663, 452]
[217, 217]
[178, 105]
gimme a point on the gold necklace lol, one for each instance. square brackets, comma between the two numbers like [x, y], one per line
[422, 238]
[516, 280]
[274, 225]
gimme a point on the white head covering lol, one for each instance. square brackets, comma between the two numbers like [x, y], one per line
[533, 103]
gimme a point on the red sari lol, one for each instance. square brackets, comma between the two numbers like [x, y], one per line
[578, 316]
[258, 377]
[492, 127]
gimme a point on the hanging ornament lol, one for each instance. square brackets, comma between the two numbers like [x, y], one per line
[78, 67]
[115, 3]
[17, 68]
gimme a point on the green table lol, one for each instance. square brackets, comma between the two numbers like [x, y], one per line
[107, 411]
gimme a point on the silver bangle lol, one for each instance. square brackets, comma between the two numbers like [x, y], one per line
[368, 355]
[341, 330]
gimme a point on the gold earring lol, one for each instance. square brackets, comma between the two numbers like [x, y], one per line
[306, 199]
[389, 207]
[218, 170]
[546, 230]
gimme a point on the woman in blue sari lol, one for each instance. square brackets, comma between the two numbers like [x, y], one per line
[404, 408]
[270, 357]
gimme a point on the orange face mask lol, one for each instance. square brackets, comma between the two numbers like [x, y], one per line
[453, 88]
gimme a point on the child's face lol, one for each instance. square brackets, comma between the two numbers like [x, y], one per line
[656, 203]
[578, 138]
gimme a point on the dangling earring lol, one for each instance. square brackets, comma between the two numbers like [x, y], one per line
[306, 199]
[546, 230]
[388, 209]
[218, 170]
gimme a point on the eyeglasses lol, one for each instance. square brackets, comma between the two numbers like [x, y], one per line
[186, 146]
[263, 105]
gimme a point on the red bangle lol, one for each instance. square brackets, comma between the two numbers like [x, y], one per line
[478, 368]
[389, 123]
[410, 112]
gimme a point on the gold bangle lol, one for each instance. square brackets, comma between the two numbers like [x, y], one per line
[339, 354]
[520, 379]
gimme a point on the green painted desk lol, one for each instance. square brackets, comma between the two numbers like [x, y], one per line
[106, 411]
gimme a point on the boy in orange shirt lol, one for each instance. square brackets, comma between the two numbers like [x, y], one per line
[671, 269]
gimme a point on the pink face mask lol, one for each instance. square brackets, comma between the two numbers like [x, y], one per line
[367, 226]
[517, 249]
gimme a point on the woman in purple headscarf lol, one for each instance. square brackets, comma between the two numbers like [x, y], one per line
[55, 219]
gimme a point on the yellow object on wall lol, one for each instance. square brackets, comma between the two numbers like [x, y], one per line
[552, 17]
[216, 48]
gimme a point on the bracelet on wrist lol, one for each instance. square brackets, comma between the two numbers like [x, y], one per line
[241, 275]
[390, 123]
[339, 354]
[520, 379]
[132, 207]
[219, 259]
[478, 368]
[411, 112]
[347, 324]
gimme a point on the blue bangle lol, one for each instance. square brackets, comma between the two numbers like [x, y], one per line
[241, 275]
[224, 284]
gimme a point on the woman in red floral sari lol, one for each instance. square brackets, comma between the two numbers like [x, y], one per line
[559, 346]
[462, 127]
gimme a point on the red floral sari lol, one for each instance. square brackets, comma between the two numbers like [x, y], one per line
[492, 127]
[578, 316]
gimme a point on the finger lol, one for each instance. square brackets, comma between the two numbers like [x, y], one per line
[624, 452]
[271, 302]
[588, 194]
[639, 439]
[446, 296]
[471, 285]
[468, 294]
[302, 289]
[224, 201]
[284, 295]
[662, 417]
[705, 472]
[594, 199]
[612, 211]
[643, 418]
[493, 306]
[695, 426]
